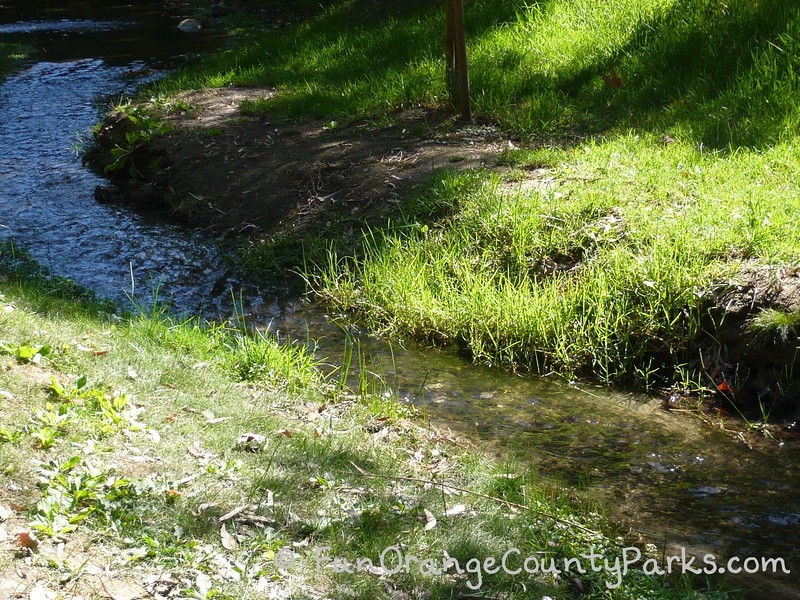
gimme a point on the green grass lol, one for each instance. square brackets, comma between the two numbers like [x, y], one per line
[720, 73]
[663, 181]
[607, 272]
[776, 324]
[128, 437]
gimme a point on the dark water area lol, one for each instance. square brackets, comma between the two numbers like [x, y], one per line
[117, 33]
[669, 476]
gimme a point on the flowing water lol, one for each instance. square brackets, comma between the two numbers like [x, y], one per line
[673, 478]
[46, 195]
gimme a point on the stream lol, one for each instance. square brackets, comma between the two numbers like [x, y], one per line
[669, 476]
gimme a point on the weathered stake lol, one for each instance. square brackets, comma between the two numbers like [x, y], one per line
[457, 72]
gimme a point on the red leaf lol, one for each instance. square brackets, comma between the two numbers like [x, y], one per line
[613, 80]
[27, 540]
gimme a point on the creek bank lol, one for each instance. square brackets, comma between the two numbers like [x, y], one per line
[754, 351]
[230, 173]
[166, 425]
[252, 178]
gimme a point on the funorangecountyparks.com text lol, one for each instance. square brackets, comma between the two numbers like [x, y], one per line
[393, 560]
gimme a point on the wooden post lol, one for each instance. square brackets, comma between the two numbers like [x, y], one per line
[450, 54]
[457, 72]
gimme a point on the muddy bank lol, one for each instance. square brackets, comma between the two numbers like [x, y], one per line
[232, 174]
[751, 349]
[253, 178]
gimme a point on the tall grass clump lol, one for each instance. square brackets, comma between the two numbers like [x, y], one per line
[608, 271]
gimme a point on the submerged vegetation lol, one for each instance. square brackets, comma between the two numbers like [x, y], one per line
[196, 459]
[11, 56]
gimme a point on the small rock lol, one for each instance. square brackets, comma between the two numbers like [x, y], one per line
[190, 25]
[108, 194]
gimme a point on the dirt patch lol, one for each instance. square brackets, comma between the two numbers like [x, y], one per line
[230, 173]
[753, 360]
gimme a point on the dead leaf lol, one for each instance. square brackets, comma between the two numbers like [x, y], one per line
[456, 509]
[171, 418]
[613, 80]
[184, 480]
[208, 415]
[286, 433]
[196, 450]
[205, 506]
[27, 540]
[268, 501]
[4, 395]
[236, 511]
[41, 593]
[228, 541]
[203, 584]
[132, 374]
[17, 507]
[218, 420]
[252, 442]
[5, 513]
[121, 589]
[264, 584]
[200, 365]
[380, 434]
[430, 520]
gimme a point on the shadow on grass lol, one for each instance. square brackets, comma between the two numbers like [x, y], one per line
[725, 72]
[357, 58]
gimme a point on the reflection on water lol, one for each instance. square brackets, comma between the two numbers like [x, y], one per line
[673, 478]
[61, 27]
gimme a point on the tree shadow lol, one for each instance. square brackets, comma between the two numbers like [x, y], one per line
[725, 72]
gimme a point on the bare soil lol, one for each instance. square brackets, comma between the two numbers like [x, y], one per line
[233, 174]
